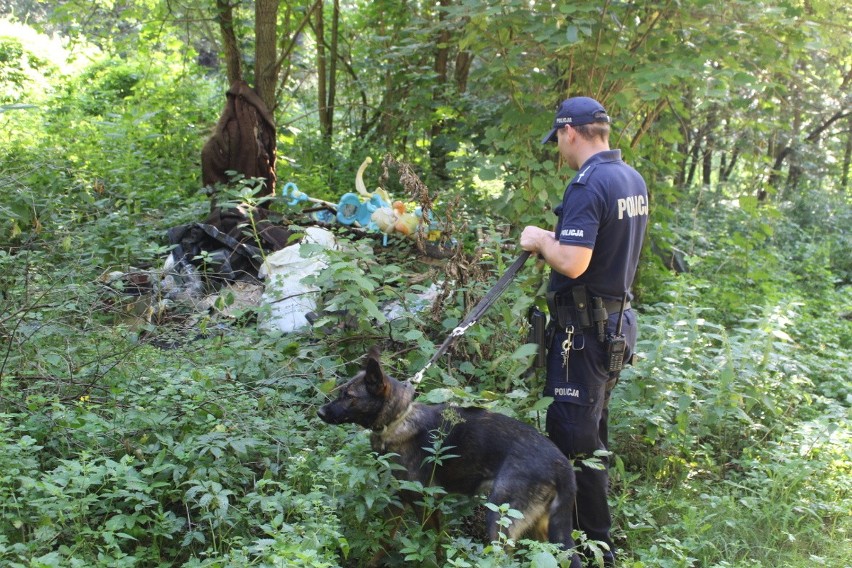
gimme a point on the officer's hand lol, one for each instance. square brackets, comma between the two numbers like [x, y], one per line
[531, 238]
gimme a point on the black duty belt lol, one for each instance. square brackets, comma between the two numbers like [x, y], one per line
[612, 306]
[580, 310]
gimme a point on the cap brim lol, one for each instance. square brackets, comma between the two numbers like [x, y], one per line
[551, 136]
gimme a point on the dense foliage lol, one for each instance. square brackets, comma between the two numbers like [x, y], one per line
[128, 440]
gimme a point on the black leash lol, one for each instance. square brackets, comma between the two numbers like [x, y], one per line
[486, 302]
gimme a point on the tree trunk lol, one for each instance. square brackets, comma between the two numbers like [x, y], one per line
[464, 59]
[775, 175]
[707, 165]
[694, 154]
[322, 96]
[225, 16]
[332, 70]
[266, 51]
[725, 172]
[847, 159]
[709, 147]
[682, 150]
[386, 117]
[437, 147]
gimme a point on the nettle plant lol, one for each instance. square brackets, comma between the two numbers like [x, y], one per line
[700, 392]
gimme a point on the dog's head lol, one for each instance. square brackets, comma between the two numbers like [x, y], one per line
[362, 399]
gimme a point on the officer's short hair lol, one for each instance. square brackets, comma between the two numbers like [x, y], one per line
[594, 130]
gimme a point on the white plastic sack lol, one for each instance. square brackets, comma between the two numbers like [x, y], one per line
[290, 299]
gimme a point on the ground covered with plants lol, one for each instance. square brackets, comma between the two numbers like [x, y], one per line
[127, 440]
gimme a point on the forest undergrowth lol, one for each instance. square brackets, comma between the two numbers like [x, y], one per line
[195, 441]
[130, 436]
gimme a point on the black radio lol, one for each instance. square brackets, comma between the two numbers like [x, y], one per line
[616, 344]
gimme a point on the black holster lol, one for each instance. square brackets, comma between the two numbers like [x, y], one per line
[537, 335]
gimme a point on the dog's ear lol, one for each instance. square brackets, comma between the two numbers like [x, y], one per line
[374, 376]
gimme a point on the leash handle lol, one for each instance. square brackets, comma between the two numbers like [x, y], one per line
[478, 310]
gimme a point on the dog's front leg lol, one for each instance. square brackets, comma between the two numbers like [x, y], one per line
[393, 517]
[430, 520]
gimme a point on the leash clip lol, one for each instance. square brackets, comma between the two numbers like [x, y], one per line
[418, 376]
[460, 330]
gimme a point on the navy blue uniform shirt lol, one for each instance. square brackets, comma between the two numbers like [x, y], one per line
[605, 208]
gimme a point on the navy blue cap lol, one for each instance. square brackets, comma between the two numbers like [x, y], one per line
[577, 111]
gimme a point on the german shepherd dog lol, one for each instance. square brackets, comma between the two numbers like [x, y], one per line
[493, 454]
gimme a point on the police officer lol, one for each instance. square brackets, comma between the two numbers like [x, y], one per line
[593, 254]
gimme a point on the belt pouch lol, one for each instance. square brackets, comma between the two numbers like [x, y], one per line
[560, 312]
[581, 306]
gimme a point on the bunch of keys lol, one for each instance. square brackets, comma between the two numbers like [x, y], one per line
[566, 348]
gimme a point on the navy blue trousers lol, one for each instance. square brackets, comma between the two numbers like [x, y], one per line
[577, 420]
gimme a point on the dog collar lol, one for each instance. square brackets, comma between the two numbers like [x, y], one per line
[395, 422]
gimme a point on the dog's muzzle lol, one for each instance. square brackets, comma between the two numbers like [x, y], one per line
[326, 415]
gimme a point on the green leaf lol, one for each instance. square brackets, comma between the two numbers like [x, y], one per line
[543, 560]
[372, 310]
[524, 352]
[413, 335]
[437, 396]
[542, 404]
[572, 34]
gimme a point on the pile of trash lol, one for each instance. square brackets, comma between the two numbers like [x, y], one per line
[218, 265]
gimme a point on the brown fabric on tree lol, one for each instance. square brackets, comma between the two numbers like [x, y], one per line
[243, 141]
